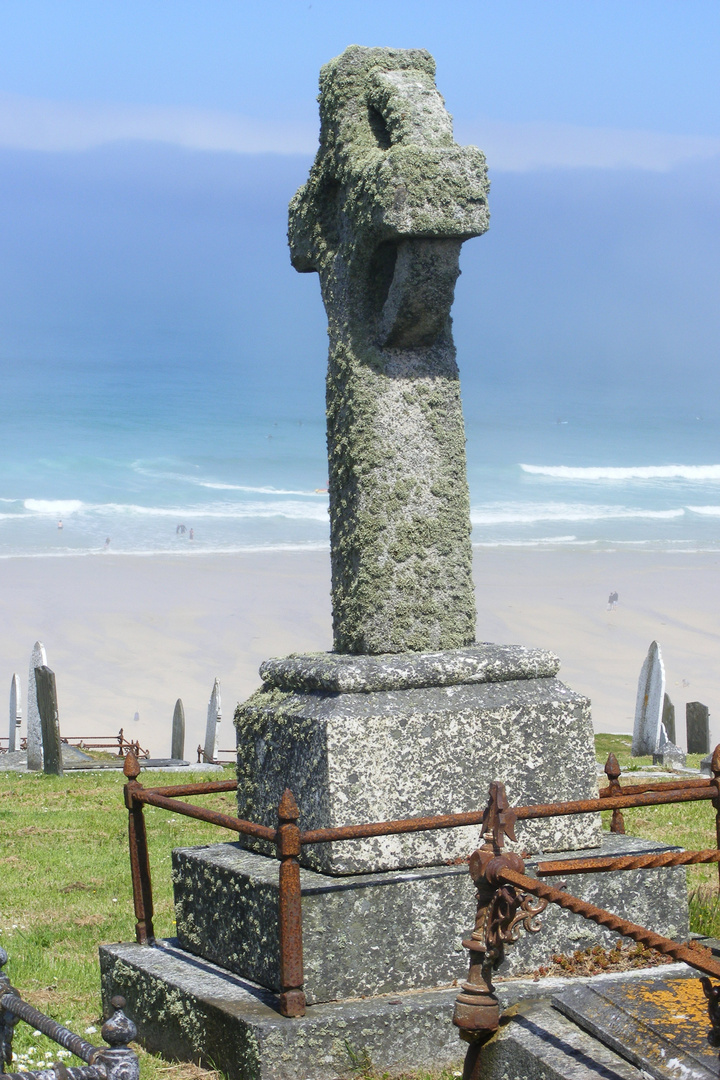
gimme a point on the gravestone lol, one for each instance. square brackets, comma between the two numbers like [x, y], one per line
[49, 720]
[697, 722]
[177, 743]
[668, 718]
[214, 716]
[34, 728]
[649, 704]
[15, 713]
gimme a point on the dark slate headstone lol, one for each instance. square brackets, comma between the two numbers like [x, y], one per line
[668, 718]
[697, 720]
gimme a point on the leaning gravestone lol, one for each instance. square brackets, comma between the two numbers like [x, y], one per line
[46, 692]
[15, 713]
[408, 716]
[34, 725]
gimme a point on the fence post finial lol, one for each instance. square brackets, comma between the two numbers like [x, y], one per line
[612, 771]
[131, 768]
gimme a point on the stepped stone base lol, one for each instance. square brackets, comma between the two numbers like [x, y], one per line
[412, 750]
[375, 934]
[189, 1010]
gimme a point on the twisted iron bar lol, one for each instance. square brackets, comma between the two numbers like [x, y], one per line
[695, 957]
[628, 862]
[59, 1034]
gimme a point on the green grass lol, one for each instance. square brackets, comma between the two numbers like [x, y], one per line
[620, 745]
[65, 889]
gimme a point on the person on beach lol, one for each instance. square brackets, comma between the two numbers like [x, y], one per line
[612, 601]
[60, 524]
[180, 530]
[192, 535]
[107, 542]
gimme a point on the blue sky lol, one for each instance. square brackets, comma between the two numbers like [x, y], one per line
[148, 152]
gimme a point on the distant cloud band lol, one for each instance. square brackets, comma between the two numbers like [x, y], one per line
[38, 124]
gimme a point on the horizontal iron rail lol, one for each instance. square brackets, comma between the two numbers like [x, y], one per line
[175, 790]
[522, 813]
[224, 821]
[59, 1034]
[696, 957]
[627, 862]
[650, 785]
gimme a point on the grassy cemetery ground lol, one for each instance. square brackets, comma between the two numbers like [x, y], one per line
[65, 888]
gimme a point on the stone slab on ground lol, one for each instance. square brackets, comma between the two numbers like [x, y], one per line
[537, 1043]
[398, 930]
[189, 1010]
[659, 1024]
[378, 756]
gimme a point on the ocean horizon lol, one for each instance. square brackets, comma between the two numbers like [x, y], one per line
[222, 480]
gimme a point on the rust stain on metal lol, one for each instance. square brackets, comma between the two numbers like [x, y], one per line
[292, 997]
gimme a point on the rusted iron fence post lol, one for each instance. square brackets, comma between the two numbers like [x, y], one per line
[715, 766]
[612, 771]
[292, 996]
[139, 859]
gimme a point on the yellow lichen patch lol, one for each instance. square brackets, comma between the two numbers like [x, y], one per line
[677, 1006]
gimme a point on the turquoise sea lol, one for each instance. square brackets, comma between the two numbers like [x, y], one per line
[162, 364]
[132, 457]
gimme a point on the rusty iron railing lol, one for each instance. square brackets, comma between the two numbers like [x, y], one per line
[116, 1061]
[119, 743]
[496, 819]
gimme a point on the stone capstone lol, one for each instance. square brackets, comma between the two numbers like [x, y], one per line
[345, 673]
[375, 934]
[385, 755]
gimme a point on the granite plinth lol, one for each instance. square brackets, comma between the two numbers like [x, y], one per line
[189, 1010]
[379, 756]
[345, 673]
[373, 934]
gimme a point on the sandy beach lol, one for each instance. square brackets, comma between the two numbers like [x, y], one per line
[127, 634]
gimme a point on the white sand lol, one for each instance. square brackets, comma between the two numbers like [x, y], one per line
[126, 634]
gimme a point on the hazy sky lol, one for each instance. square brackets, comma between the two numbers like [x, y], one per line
[241, 75]
[144, 199]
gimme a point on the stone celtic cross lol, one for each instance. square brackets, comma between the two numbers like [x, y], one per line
[381, 219]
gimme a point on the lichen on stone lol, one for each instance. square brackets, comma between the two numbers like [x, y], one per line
[389, 201]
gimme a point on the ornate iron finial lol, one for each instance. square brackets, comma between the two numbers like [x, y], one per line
[612, 769]
[131, 768]
[499, 818]
[119, 1030]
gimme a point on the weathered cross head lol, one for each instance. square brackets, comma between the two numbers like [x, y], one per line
[390, 198]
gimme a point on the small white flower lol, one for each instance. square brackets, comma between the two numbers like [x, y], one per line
[37, 1032]
[90, 1030]
[63, 1053]
[114, 899]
